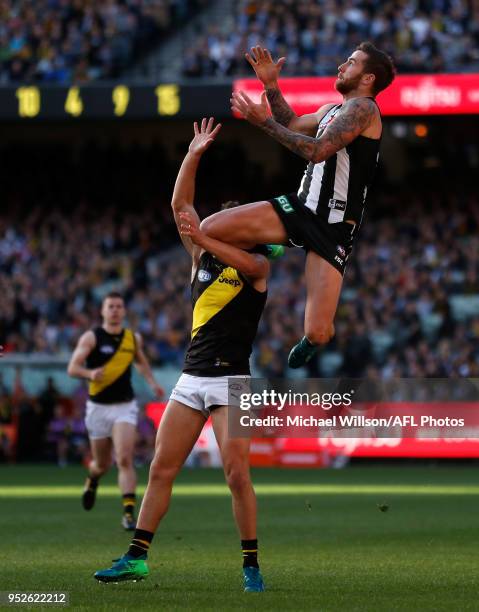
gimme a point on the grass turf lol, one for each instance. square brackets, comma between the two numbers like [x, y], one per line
[324, 543]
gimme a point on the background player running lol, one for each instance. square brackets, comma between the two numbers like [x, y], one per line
[341, 144]
[104, 356]
[228, 294]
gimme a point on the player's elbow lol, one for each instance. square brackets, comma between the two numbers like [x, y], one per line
[256, 269]
[177, 205]
[316, 158]
[71, 370]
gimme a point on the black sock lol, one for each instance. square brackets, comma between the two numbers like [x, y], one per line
[250, 553]
[93, 481]
[140, 543]
[129, 501]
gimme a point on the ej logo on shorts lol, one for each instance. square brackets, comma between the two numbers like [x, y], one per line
[285, 204]
[338, 208]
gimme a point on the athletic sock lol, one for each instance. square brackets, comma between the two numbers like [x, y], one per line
[129, 501]
[92, 481]
[250, 553]
[140, 543]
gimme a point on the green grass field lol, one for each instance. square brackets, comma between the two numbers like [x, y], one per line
[324, 543]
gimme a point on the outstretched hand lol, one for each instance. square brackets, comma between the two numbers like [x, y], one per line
[254, 113]
[190, 227]
[262, 63]
[204, 136]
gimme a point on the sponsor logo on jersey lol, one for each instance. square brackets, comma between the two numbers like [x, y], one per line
[339, 260]
[285, 204]
[107, 349]
[337, 204]
[204, 276]
[229, 281]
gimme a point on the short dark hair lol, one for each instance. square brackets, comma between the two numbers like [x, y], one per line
[113, 294]
[378, 63]
[230, 204]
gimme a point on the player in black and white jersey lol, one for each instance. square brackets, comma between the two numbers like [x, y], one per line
[341, 143]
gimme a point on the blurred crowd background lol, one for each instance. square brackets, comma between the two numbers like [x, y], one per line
[316, 36]
[59, 41]
[409, 286]
[82, 40]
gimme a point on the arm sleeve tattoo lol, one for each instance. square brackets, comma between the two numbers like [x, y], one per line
[354, 117]
[281, 110]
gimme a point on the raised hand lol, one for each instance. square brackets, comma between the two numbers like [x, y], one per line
[204, 136]
[266, 70]
[190, 227]
[254, 113]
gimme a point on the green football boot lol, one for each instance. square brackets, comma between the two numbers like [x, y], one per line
[275, 251]
[126, 568]
[301, 353]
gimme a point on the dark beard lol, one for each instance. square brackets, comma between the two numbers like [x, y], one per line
[345, 87]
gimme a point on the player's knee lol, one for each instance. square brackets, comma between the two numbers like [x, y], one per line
[208, 226]
[161, 473]
[125, 462]
[319, 333]
[238, 478]
[100, 467]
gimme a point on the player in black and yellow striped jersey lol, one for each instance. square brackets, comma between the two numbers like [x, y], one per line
[104, 357]
[228, 294]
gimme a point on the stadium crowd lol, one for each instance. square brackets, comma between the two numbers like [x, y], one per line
[58, 41]
[316, 36]
[396, 317]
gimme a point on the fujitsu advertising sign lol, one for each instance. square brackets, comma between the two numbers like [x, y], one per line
[441, 94]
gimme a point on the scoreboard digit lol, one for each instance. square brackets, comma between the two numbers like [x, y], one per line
[74, 102]
[121, 99]
[29, 101]
[168, 99]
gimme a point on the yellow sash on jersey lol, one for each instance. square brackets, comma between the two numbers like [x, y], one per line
[117, 365]
[224, 289]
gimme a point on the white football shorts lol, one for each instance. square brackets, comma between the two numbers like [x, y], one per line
[204, 392]
[100, 418]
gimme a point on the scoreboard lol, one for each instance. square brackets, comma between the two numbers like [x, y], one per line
[119, 101]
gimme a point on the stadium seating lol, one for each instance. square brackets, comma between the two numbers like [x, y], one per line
[414, 318]
[53, 41]
[441, 36]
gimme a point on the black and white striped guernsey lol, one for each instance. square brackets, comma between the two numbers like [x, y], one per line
[336, 189]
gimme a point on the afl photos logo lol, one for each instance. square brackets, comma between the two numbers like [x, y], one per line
[204, 276]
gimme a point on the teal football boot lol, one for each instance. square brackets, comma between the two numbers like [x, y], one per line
[253, 580]
[126, 568]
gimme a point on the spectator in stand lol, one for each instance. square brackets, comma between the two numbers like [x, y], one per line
[315, 36]
[67, 434]
[58, 41]
[396, 317]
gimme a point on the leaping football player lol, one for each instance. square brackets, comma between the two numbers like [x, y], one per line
[341, 144]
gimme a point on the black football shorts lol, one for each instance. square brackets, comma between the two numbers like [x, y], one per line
[331, 241]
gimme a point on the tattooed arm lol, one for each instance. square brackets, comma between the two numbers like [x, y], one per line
[285, 116]
[356, 116]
